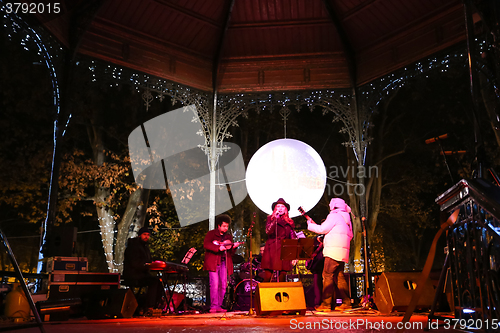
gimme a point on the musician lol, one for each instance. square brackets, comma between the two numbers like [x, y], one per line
[219, 250]
[278, 226]
[257, 264]
[137, 274]
[337, 229]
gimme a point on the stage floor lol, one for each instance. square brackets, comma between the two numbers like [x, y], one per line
[366, 321]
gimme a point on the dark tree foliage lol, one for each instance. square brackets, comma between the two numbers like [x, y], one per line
[427, 107]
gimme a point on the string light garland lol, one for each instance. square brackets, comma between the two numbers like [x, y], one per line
[48, 51]
[356, 123]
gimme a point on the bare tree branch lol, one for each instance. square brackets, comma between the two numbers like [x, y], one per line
[391, 155]
[394, 183]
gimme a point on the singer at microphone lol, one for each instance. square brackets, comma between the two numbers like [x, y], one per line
[278, 226]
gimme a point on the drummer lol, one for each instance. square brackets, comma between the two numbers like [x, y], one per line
[136, 272]
[257, 260]
[219, 251]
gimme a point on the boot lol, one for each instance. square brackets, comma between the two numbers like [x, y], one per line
[324, 308]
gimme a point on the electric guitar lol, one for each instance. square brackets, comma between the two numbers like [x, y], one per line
[309, 263]
[320, 247]
[303, 212]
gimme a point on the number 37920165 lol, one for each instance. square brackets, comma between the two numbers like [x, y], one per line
[33, 8]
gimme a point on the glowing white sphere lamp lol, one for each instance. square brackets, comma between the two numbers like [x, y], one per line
[288, 169]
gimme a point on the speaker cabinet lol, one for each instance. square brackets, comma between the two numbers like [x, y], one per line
[58, 310]
[272, 298]
[120, 303]
[393, 292]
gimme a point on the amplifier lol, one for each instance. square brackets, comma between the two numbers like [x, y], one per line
[273, 298]
[394, 291]
[57, 310]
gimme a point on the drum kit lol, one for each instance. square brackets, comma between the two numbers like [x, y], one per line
[240, 285]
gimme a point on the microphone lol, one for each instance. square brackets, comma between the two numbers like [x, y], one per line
[453, 152]
[441, 137]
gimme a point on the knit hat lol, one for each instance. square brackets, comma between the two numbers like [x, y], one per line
[143, 230]
[281, 201]
[339, 204]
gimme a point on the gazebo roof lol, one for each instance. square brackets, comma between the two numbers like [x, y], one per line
[260, 45]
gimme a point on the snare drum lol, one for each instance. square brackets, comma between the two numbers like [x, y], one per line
[242, 294]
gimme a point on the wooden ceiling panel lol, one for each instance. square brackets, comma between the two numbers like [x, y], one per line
[210, 10]
[117, 10]
[263, 36]
[273, 12]
[281, 41]
[154, 19]
[385, 20]
[164, 25]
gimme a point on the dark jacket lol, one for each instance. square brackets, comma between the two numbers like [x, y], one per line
[316, 264]
[272, 251]
[137, 254]
[212, 253]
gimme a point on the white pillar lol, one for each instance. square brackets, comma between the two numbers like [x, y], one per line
[213, 164]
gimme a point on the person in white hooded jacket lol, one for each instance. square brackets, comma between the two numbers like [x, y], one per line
[337, 229]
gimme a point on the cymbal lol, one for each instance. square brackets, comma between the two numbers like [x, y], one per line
[237, 259]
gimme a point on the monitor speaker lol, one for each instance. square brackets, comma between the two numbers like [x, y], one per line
[57, 310]
[273, 298]
[117, 303]
[393, 292]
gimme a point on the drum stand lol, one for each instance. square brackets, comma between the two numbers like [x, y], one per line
[251, 311]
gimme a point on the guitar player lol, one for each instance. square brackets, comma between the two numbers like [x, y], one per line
[219, 250]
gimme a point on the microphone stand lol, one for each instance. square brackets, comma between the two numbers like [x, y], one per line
[276, 249]
[251, 311]
[277, 273]
[366, 263]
